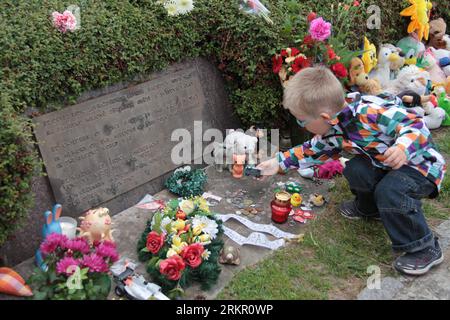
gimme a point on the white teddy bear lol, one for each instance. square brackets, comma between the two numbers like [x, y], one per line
[236, 142]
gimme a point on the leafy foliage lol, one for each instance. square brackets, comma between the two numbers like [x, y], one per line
[187, 183]
[18, 164]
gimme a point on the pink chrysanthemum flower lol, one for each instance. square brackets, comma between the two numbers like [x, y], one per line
[52, 242]
[65, 21]
[67, 266]
[319, 29]
[107, 249]
[95, 263]
[79, 245]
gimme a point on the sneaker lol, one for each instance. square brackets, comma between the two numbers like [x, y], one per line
[349, 210]
[420, 262]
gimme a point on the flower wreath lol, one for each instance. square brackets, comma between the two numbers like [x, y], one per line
[181, 245]
[185, 182]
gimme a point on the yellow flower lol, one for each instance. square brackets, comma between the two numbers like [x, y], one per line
[171, 252]
[178, 244]
[204, 238]
[179, 225]
[187, 206]
[197, 230]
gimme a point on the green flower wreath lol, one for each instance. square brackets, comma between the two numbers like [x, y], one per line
[207, 273]
[186, 182]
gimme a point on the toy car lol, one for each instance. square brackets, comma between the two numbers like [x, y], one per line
[252, 171]
[132, 285]
[293, 187]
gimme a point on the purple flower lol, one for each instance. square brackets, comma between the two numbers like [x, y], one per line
[95, 263]
[319, 29]
[53, 242]
[106, 250]
[67, 266]
[78, 244]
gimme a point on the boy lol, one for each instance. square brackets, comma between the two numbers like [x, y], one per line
[395, 163]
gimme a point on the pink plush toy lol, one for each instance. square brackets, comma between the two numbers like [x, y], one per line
[329, 169]
[437, 75]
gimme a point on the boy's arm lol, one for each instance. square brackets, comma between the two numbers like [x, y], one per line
[409, 129]
[313, 152]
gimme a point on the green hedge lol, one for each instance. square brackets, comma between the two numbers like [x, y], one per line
[18, 164]
[40, 67]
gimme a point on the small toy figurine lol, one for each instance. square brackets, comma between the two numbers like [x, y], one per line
[132, 285]
[96, 225]
[230, 255]
[238, 166]
[293, 187]
[51, 225]
[252, 171]
[296, 200]
[369, 57]
[317, 199]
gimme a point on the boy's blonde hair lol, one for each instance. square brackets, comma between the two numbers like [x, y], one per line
[312, 91]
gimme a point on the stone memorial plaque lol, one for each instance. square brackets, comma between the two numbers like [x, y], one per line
[106, 146]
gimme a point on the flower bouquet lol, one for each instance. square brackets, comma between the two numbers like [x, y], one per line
[181, 245]
[315, 48]
[76, 269]
[255, 7]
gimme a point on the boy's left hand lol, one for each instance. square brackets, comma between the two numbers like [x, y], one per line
[395, 158]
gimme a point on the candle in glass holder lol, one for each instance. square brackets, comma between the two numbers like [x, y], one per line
[68, 227]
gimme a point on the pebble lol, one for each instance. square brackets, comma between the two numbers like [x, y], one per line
[238, 212]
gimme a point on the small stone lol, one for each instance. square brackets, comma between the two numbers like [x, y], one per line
[238, 212]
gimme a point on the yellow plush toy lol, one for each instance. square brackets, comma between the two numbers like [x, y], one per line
[418, 11]
[369, 57]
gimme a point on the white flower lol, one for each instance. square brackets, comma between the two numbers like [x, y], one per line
[164, 222]
[184, 6]
[187, 206]
[206, 254]
[207, 225]
[171, 7]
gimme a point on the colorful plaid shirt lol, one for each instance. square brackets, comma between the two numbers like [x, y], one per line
[369, 127]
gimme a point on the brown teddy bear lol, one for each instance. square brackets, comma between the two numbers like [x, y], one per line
[438, 28]
[360, 79]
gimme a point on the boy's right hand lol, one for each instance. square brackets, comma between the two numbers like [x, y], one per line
[269, 167]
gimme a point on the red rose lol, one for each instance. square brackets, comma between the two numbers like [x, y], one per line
[172, 267]
[311, 16]
[300, 63]
[294, 52]
[356, 3]
[331, 54]
[284, 53]
[192, 254]
[308, 40]
[154, 242]
[339, 70]
[277, 63]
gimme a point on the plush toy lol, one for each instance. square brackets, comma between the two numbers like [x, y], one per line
[446, 39]
[382, 71]
[443, 58]
[437, 33]
[410, 78]
[369, 57]
[96, 225]
[396, 64]
[418, 11]
[444, 103]
[423, 105]
[359, 78]
[238, 165]
[13, 284]
[51, 225]
[411, 48]
[429, 63]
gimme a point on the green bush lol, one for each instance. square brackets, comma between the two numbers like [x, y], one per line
[17, 166]
[118, 39]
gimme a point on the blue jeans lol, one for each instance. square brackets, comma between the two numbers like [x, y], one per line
[395, 196]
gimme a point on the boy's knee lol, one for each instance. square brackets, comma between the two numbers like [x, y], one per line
[357, 173]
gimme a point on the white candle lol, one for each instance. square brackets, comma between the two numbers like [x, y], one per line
[68, 227]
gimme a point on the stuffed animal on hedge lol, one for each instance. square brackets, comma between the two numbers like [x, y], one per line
[443, 58]
[382, 71]
[411, 48]
[359, 78]
[438, 28]
[369, 57]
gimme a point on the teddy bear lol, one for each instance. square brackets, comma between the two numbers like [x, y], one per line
[235, 143]
[437, 32]
[382, 71]
[443, 58]
[360, 79]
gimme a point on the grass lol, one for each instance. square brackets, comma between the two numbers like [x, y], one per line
[332, 261]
